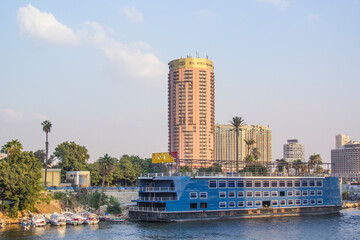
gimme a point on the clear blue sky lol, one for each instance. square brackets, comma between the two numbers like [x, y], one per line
[98, 69]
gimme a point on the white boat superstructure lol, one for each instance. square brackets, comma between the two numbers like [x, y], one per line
[57, 219]
[39, 221]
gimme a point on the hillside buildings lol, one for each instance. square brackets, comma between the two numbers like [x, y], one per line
[345, 159]
[225, 145]
[191, 110]
[293, 150]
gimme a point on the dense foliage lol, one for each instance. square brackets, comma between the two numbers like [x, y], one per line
[72, 157]
[20, 178]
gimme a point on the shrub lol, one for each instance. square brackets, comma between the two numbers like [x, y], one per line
[113, 206]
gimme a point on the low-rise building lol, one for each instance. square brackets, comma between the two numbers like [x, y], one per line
[78, 178]
[53, 177]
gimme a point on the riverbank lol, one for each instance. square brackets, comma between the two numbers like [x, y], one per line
[350, 204]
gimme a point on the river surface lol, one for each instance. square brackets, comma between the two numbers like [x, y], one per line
[345, 225]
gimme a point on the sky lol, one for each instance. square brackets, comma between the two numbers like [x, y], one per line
[98, 70]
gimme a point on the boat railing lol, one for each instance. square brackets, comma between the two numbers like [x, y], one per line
[230, 174]
[156, 199]
[156, 189]
[147, 209]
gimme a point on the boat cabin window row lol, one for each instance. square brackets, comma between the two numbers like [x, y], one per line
[258, 194]
[264, 183]
[273, 203]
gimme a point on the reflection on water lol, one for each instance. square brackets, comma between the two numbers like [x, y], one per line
[338, 226]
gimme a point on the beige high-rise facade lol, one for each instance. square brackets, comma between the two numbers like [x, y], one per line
[293, 151]
[341, 140]
[345, 160]
[225, 145]
[191, 111]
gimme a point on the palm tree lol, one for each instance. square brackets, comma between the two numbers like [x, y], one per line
[314, 161]
[10, 147]
[249, 144]
[106, 165]
[237, 122]
[297, 165]
[46, 128]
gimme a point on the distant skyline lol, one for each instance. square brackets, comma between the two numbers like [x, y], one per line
[98, 70]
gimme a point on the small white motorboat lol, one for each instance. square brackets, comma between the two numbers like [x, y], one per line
[38, 221]
[57, 219]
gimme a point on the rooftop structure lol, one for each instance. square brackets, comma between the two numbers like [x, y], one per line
[341, 140]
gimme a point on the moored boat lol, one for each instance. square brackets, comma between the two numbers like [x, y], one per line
[25, 224]
[92, 219]
[217, 196]
[2, 223]
[38, 221]
[57, 219]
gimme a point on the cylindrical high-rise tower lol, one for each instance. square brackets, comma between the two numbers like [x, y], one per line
[192, 111]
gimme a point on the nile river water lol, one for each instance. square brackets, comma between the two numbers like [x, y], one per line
[345, 225]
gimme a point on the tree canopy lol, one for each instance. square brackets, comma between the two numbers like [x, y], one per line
[20, 179]
[72, 157]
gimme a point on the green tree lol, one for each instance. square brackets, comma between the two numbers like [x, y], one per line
[106, 165]
[12, 147]
[72, 157]
[20, 179]
[46, 128]
[283, 164]
[113, 206]
[41, 156]
[213, 168]
[256, 153]
[314, 161]
[185, 169]
[237, 122]
[249, 143]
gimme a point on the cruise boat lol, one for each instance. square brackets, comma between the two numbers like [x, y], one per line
[200, 196]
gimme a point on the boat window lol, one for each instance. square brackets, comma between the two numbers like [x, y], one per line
[240, 184]
[249, 184]
[241, 204]
[312, 183]
[193, 195]
[240, 194]
[257, 184]
[203, 195]
[249, 203]
[297, 201]
[249, 194]
[282, 193]
[222, 204]
[212, 184]
[257, 203]
[231, 194]
[274, 203]
[290, 202]
[222, 184]
[290, 193]
[319, 193]
[222, 194]
[193, 205]
[319, 201]
[304, 183]
[282, 202]
[297, 183]
[231, 204]
[266, 184]
[312, 192]
[281, 183]
[305, 202]
[304, 192]
[266, 194]
[297, 193]
[203, 205]
[257, 194]
[312, 201]
[274, 184]
[274, 193]
[231, 183]
[289, 183]
[319, 183]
